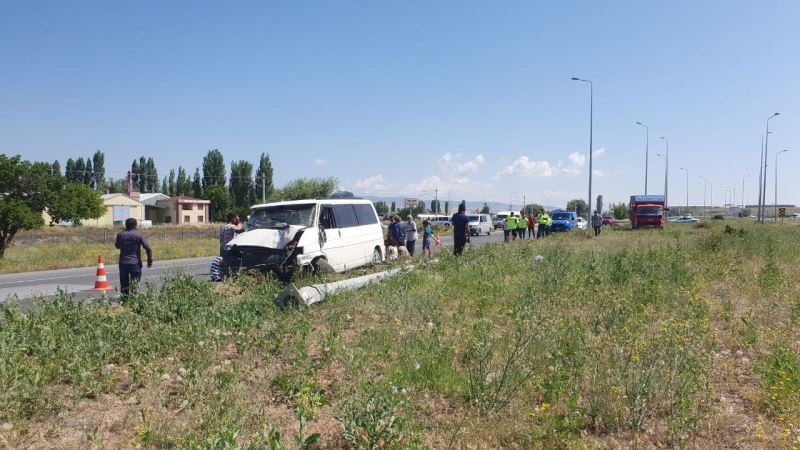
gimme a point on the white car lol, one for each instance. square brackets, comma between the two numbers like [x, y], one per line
[581, 223]
[285, 237]
[686, 219]
[479, 224]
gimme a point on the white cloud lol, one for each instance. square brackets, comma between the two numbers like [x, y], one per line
[523, 166]
[577, 159]
[450, 163]
[320, 162]
[371, 185]
[598, 152]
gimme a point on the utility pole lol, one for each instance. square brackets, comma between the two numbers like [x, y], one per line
[766, 155]
[760, 180]
[436, 201]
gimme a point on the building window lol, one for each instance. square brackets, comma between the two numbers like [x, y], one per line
[186, 219]
[199, 219]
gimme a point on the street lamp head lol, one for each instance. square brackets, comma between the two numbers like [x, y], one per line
[639, 123]
[659, 154]
[776, 114]
[784, 150]
[662, 137]
[576, 79]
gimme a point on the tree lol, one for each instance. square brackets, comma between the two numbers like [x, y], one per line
[447, 207]
[241, 184]
[303, 188]
[152, 176]
[75, 202]
[534, 208]
[142, 177]
[420, 206]
[171, 183]
[164, 186]
[381, 208]
[599, 204]
[88, 174]
[221, 202]
[80, 168]
[577, 205]
[486, 209]
[394, 207]
[619, 210]
[197, 187]
[135, 174]
[264, 172]
[56, 168]
[436, 206]
[99, 161]
[69, 170]
[213, 169]
[180, 185]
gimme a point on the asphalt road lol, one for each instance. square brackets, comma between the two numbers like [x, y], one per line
[22, 287]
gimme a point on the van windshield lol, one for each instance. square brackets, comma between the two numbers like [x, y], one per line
[648, 211]
[473, 218]
[281, 216]
[562, 216]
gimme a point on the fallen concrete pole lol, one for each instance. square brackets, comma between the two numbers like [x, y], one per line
[317, 292]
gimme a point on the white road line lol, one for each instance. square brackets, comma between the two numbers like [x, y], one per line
[109, 272]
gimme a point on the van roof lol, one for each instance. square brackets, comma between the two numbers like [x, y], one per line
[334, 201]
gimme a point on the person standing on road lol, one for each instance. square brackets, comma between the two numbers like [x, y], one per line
[597, 223]
[542, 225]
[522, 224]
[411, 234]
[511, 222]
[460, 223]
[394, 238]
[130, 243]
[506, 230]
[531, 226]
[427, 233]
[228, 232]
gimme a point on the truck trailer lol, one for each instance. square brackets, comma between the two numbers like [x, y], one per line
[647, 211]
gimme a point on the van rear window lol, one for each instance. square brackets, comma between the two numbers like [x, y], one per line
[365, 214]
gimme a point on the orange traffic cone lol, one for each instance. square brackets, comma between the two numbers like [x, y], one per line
[101, 284]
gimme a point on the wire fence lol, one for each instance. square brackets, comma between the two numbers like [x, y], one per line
[89, 235]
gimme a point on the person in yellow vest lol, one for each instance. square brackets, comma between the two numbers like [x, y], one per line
[522, 225]
[511, 223]
[548, 222]
[542, 220]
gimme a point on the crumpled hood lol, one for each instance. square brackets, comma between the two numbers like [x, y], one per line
[276, 239]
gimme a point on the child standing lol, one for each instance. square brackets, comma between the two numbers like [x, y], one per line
[427, 233]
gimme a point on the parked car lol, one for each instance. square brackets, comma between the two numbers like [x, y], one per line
[563, 220]
[608, 220]
[285, 237]
[581, 223]
[479, 224]
[685, 219]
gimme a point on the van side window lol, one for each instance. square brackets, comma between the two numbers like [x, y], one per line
[365, 214]
[326, 220]
[345, 216]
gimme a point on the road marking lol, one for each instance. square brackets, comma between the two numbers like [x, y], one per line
[110, 272]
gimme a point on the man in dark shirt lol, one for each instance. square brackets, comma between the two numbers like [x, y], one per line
[460, 223]
[130, 243]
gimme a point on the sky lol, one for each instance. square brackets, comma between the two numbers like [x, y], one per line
[470, 99]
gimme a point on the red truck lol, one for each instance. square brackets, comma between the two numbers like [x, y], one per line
[647, 211]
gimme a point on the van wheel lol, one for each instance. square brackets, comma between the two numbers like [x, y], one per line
[377, 256]
[489, 232]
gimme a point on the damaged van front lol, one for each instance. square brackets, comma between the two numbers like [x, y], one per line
[276, 239]
[329, 234]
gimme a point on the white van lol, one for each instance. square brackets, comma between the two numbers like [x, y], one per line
[284, 237]
[479, 224]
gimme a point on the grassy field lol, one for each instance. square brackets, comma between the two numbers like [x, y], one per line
[687, 337]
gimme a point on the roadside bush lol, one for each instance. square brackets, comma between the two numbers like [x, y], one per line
[374, 418]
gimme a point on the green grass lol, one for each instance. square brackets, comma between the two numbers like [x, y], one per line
[46, 256]
[681, 337]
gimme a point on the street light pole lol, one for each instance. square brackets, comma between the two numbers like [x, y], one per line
[687, 189]
[591, 121]
[766, 155]
[666, 175]
[705, 182]
[776, 182]
[646, 153]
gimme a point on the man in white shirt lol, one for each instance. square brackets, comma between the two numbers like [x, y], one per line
[411, 234]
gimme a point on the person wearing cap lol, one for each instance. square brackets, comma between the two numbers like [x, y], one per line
[411, 234]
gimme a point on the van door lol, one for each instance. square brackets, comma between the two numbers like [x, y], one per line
[330, 237]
